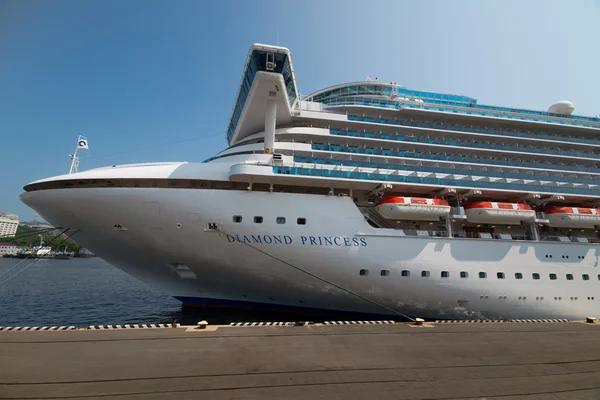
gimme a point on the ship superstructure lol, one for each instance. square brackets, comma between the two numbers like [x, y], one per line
[364, 197]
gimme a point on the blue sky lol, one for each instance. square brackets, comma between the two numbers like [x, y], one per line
[156, 80]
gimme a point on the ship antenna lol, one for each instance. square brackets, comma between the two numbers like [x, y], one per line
[324, 280]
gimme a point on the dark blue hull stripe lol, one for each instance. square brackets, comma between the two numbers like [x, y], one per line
[209, 303]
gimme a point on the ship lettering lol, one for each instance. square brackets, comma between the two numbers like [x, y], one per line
[325, 241]
[322, 241]
[260, 239]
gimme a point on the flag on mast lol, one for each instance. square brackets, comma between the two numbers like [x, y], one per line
[82, 144]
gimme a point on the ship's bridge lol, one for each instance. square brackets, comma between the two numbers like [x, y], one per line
[357, 92]
[268, 75]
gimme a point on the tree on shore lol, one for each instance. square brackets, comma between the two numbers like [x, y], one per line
[26, 237]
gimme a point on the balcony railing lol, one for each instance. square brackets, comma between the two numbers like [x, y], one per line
[459, 128]
[454, 143]
[452, 171]
[440, 157]
[485, 111]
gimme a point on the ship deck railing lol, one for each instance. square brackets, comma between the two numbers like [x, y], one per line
[449, 158]
[474, 110]
[435, 169]
[449, 181]
[569, 239]
[459, 144]
[460, 128]
[462, 234]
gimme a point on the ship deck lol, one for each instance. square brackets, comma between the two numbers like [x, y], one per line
[397, 361]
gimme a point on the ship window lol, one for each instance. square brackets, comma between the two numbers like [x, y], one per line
[281, 220]
[301, 221]
[482, 275]
[569, 277]
[553, 277]
[385, 272]
[258, 220]
[237, 218]
[464, 274]
[585, 277]
[405, 272]
[445, 274]
[364, 272]
[425, 274]
[535, 275]
[500, 275]
[518, 275]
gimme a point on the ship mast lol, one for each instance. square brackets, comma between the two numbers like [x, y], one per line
[82, 143]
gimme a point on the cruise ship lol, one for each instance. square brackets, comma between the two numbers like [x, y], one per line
[365, 199]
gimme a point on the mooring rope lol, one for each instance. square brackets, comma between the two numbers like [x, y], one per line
[323, 279]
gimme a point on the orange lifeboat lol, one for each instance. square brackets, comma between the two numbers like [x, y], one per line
[573, 217]
[413, 208]
[488, 212]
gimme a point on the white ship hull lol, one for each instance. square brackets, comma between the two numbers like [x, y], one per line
[160, 237]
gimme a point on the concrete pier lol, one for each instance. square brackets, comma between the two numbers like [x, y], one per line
[436, 361]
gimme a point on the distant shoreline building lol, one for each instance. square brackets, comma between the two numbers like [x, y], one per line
[8, 225]
[10, 249]
[35, 224]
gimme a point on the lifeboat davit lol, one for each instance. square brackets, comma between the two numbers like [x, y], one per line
[488, 212]
[413, 208]
[573, 217]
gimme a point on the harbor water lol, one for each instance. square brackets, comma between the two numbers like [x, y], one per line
[81, 291]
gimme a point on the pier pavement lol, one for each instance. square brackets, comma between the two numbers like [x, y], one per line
[438, 361]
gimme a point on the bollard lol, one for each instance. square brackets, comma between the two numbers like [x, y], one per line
[591, 320]
[419, 321]
[202, 324]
